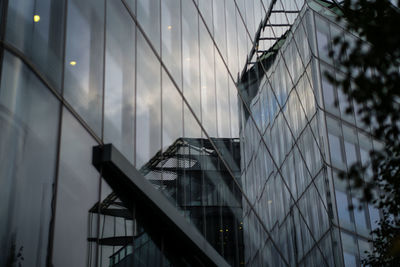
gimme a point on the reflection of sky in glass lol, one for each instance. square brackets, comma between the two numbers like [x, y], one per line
[119, 88]
[83, 81]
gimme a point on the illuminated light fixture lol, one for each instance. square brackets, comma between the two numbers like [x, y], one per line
[221, 230]
[169, 27]
[269, 201]
[226, 230]
[241, 222]
[72, 63]
[36, 18]
[240, 227]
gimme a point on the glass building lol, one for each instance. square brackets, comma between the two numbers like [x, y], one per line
[226, 142]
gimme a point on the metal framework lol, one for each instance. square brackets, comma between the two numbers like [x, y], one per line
[158, 216]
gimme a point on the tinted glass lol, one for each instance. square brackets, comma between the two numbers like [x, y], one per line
[36, 28]
[29, 116]
[83, 84]
[78, 192]
[119, 95]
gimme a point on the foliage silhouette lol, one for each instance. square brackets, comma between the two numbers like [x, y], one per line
[372, 81]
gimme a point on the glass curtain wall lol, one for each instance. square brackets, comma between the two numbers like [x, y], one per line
[349, 141]
[294, 142]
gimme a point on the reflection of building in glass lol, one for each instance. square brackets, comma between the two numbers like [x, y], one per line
[192, 176]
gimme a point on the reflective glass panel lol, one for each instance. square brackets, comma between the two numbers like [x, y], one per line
[207, 75]
[29, 116]
[148, 103]
[119, 94]
[83, 84]
[148, 14]
[36, 28]
[171, 37]
[77, 193]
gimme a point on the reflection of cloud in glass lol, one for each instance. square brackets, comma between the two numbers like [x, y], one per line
[148, 103]
[119, 99]
[83, 82]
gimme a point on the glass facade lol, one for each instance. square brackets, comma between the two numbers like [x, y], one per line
[295, 140]
[221, 105]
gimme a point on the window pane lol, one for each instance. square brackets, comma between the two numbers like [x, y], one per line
[132, 5]
[359, 215]
[322, 38]
[374, 216]
[219, 26]
[349, 260]
[114, 224]
[190, 56]
[335, 148]
[351, 155]
[119, 99]
[364, 247]
[208, 103]
[365, 148]
[171, 112]
[36, 28]
[77, 193]
[342, 206]
[345, 104]
[232, 44]
[148, 14]
[206, 9]
[171, 37]
[222, 92]
[328, 90]
[84, 59]
[148, 109]
[28, 139]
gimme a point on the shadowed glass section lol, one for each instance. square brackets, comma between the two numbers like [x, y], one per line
[36, 28]
[78, 185]
[192, 176]
[29, 116]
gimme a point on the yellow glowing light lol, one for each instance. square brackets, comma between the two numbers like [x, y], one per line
[36, 18]
[169, 27]
[226, 230]
[72, 63]
[221, 230]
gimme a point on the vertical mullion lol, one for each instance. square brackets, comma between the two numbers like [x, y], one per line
[49, 257]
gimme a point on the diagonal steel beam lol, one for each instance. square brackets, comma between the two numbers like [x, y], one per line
[153, 210]
[261, 26]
